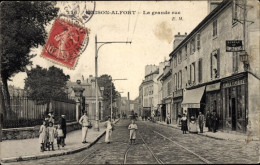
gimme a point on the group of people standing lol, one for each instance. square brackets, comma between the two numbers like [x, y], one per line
[211, 122]
[48, 132]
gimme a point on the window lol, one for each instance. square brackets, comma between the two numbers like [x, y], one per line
[175, 61]
[215, 28]
[185, 51]
[179, 57]
[193, 73]
[192, 46]
[215, 64]
[175, 79]
[200, 70]
[169, 88]
[186, 75]
[235, 12]
[180, 80]
[198, 41]
[235, 62]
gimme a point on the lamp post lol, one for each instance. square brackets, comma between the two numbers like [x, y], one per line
[96, 73]
[78, 90]
[111, 112]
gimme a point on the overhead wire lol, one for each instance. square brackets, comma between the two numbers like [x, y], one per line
[136, 22]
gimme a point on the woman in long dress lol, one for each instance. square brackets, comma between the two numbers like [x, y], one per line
[193, 125]
[108, 130]
[184, 126]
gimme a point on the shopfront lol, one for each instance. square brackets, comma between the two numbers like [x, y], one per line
[168, 106]
[234, 93]
[214, 102]
[193, 101]
[177, 109]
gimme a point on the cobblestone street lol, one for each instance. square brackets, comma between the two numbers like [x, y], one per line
[168, 145]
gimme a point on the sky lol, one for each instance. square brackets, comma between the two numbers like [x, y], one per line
[151, 34]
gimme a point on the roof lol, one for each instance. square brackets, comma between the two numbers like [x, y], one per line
[219, 8]
[155, 72]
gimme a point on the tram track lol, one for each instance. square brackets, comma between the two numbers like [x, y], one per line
[181, 146]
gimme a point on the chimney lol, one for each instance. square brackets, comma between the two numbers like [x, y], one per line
[128, 96]
[178, 39]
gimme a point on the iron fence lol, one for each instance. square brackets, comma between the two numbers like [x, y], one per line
[26, 112]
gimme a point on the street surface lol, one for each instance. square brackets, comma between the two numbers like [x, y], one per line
[158, 144]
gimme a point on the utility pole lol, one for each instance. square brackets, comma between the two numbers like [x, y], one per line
[96, 73]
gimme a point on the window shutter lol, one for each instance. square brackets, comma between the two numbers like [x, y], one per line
[211, 65]
[218, 63]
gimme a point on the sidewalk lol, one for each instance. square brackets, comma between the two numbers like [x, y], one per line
[29, 149]
[218, 135]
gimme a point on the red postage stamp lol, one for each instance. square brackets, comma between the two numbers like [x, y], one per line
[65, 43]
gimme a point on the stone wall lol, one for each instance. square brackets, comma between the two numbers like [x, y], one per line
[31, 132]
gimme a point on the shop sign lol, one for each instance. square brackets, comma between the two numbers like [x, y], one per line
[178, 93]
[234, 45]
[213, 87]
[234, 83]
[191, 105]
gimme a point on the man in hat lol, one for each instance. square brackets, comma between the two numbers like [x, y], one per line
[63, 126]
[201, 121]
[214, 120]
[84, 121]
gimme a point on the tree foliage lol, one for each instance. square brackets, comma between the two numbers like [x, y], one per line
[44, 85]
[22, 28]
[105, 81]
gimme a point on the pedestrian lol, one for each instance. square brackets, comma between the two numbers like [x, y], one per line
[214, 121]
[184, 126]
[208, 121]
[60, 136]
[63, 126]
[193, 125]
[201, 121]
[51, 132]
[84, 122]
[132, 127]
[43, 135]
[109, 128]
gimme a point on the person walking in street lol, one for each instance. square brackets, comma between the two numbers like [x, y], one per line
[201, 121]
[84, 122]
[214, 120]
[184, 126]
[51, 132]
[43, 135]
[208, 121]
[132, 127]
[63, 126]
[193, 125]
[60, 136]
[109, 128]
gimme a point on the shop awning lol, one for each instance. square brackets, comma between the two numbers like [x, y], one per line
[192, 98]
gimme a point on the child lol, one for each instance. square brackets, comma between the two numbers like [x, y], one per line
[132, 127]
[43, 135]
[51, 132]
[60, 136]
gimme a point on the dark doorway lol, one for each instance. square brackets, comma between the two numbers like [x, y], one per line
[234, 117]
[163, 112]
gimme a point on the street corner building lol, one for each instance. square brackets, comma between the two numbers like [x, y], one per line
[205, 73]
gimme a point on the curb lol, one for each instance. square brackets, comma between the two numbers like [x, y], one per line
[217, 138]
[34, 157]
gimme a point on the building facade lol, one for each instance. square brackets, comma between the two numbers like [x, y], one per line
[89, 94]
[206, 77]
